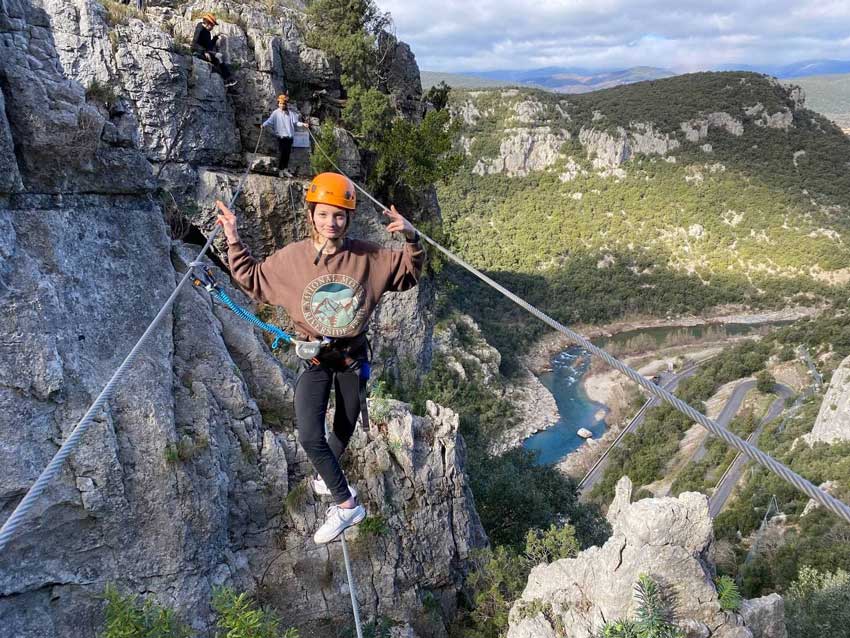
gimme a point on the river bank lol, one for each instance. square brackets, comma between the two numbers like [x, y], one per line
[542, 352]
[535, 407]
[600, 385]
[619, 392]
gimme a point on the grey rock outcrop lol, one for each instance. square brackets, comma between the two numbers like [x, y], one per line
[668, 539]
[697, 129]
[401, 75]
[62, 142]
[765, 616]
[609, 151]
[192, 477]
[524, 150]
[782, 119]
[833, 421]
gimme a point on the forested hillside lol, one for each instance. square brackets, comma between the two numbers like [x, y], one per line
[661, 197]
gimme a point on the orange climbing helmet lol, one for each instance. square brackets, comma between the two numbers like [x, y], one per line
[208, 17]
[333, 189]
[283, 97]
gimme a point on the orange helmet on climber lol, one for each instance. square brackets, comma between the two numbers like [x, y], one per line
[333, 189]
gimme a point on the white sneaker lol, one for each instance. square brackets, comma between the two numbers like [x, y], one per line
[321, 489]
[287, 173]
[337, 521]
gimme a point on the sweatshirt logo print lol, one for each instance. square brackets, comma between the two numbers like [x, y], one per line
[333, 305]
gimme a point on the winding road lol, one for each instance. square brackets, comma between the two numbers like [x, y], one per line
[732, 475]
[597, 470]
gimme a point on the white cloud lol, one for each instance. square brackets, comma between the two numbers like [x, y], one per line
[459, 35]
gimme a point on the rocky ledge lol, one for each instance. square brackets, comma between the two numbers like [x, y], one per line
[668, 539]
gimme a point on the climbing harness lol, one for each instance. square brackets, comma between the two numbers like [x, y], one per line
[827, 500]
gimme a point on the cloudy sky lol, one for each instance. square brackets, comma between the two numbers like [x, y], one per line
[683, 35]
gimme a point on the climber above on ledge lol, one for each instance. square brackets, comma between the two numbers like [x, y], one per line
[329, 284]
[204, 45]
[284, 121]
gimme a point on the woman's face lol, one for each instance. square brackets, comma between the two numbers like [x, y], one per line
[330, 221]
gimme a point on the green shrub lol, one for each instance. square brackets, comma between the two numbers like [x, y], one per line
[348, 30]
[127, 618]
[765, 382]
[411, 157]
[550, 545]
[499, 580]
[102, 94]
[171, 453]
[438, 95]
[654, 615]
[373, 526]
[120, 13]
[240, 617]
[322, 159]
[818, 604]
[298, 497]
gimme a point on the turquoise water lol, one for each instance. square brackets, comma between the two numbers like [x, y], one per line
[577, 411]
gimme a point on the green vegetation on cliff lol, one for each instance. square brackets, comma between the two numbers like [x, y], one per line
[752, 212]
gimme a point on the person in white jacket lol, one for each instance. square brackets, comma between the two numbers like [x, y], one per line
[284, 121]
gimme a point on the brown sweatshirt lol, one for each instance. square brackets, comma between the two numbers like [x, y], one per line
[335, 297]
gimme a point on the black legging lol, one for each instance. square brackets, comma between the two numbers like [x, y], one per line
[284, 147]
[312, 391]
[218, 66]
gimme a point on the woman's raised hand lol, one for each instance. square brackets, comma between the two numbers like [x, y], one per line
[399, 224]
[227, 220]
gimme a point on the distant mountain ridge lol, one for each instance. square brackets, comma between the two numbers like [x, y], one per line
[583, 80]
[558, 79]
[795, 69]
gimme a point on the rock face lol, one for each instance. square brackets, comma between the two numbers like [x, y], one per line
[665, 538]
[462, 348]
[833, 422]
[610, 151]
[192, 476]
[525, 150]
[62, 142]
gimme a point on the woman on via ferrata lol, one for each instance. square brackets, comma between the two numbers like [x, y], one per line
[329, 284]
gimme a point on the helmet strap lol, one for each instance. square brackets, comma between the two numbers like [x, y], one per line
[319, 253]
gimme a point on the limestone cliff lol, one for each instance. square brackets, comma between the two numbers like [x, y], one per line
[192, 477]
[833, 422]
[668, 539]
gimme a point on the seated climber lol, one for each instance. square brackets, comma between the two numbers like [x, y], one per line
[283, 121]
[203, 46]
[329, 284]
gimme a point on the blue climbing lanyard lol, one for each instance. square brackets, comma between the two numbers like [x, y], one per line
[307, 350]
[203, 276]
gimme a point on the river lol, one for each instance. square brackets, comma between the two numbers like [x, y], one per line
[569, 367]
